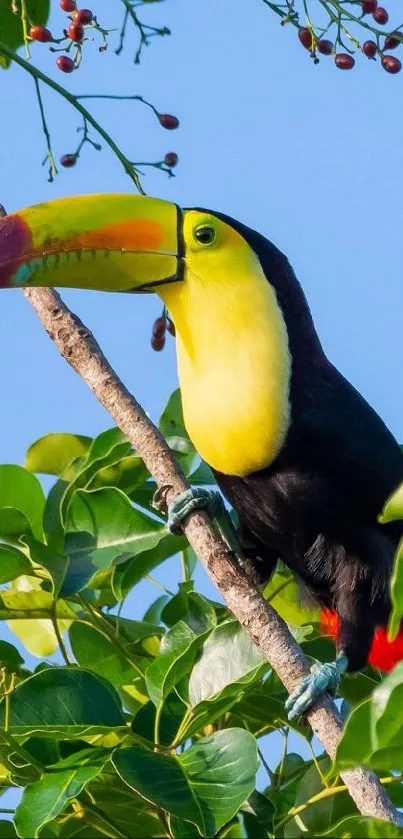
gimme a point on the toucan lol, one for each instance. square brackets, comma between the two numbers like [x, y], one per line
[305, 462]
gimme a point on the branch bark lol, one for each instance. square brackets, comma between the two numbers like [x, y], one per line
[266, 628]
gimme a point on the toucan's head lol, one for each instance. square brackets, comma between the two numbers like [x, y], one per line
[115, 243]
[132, 243]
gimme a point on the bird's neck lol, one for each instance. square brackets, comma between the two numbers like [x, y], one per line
[234, 368]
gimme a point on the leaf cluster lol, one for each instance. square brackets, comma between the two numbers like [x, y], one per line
[164, 726]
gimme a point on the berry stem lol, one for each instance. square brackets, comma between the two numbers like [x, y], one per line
[145, 31]
[74, 101]
[49, 156]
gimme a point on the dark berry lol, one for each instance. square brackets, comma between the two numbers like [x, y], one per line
[370, 49]
[65, 64]
[391, 42]
[171, 327]
[83, 16]
[168, 121]
[68, 160]
[40, 33]
[68, 5]
[305, 36]
[159, 328]
[76, 32]
[344, 61]
[391, 64]
[368, 6]
[171, 159]
[325, 47]
[380, 15]
[158, 344]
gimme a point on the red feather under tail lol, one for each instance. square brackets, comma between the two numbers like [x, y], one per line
[383, 655]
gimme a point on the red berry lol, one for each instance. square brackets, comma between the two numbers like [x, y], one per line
[325, 47]
[40, 33]
[368, 6]
[158, 344]
[370, 49]
[391, 42]
[171, 327]
[159, 328]
[168, 121]
[380, 15]
[83, 16]
[68, 160]
[65, 64]
[68, 5]
[171, 159]
[344, 61]
[76, 32]
[305, 36]
[391, 64]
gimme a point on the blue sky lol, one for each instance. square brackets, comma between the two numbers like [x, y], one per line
[308, 155]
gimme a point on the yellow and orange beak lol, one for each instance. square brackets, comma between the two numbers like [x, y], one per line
[113, 242]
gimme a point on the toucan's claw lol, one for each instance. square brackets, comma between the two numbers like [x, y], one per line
[189, 501]
[324, 677]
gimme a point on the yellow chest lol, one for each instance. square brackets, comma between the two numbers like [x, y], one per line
[234, 370]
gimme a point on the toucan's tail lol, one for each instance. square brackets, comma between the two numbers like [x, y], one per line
[383, 655]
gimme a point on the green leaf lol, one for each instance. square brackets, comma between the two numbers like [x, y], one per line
[52, 516]
[54, 563]
[396, 587]
[178, 651]
[45, 799]
[128, 475]
[119, 812]
[154, 612]
[228, 658]
[115, 529]
[171, 422]
[317, 818]
[50, 455]
[108, 449]
[355, 745]
[202, 476]
[205, 785]
[357, 827]
[393, 509]
[20, 768]
[283, 594]
[258, 816]
[63, 702]
[7, 829]
[38, 635]
[94, 652]
[11, 29]
[387, 709]
[21, 491]
[192, 608]
[13, 563]
[10, 657]
[169, 721]
[126, 575]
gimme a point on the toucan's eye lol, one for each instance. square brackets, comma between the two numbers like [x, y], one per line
[205, 235]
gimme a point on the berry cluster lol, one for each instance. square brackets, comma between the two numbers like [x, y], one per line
[75, 34]
[161, 326]
[370, 48]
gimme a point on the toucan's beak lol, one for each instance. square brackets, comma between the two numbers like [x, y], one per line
[103, 242]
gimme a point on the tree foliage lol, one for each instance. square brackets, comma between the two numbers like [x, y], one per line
[155, 727]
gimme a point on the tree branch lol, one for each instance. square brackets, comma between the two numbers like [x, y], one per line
[266, 628]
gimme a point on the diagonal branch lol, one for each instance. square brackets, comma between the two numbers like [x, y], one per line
[268, 631]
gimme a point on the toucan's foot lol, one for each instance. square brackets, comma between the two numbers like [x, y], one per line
[324, 677]
[189, 501]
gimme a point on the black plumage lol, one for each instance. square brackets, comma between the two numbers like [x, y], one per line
[316, 506]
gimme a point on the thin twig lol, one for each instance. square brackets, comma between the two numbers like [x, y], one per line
[74, 101]
[265, 627]
[49, 157]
